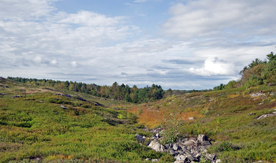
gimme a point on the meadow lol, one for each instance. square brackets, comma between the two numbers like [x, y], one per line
[35, 128]
[41, 125]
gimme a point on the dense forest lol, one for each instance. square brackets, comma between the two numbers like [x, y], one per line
[116, 91]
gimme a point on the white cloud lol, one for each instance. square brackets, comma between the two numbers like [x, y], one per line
[37, 59]
[24, 9]
[207, 19]
[89, 19]
[43, 41]
[214, 66]
[74, 64]
[142, 1]
[54, 62]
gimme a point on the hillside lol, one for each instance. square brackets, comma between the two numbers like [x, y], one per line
[42, 122]
[240, 122]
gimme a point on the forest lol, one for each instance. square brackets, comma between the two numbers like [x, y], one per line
[116, 91]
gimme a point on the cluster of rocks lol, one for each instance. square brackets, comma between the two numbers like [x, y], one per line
[253, 95]
[17, 96]
[187, 150]
[267, 115]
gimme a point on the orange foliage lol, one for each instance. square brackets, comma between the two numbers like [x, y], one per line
[187, 115]
[233, 95]
[152, 117]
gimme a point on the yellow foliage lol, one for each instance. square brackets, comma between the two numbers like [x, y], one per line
[233, 95]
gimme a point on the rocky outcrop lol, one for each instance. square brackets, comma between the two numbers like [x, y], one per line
[155, 145]
[266, 115]
[187, 150]
[253, 95]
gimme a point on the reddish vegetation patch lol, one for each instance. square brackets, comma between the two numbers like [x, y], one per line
[152, 117]
[187, 115]
[270, 105]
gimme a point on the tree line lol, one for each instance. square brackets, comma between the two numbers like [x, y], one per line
[258, 72]
[116, 91]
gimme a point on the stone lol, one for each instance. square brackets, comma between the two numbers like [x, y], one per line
[266, 115]
[211, 157]
[180, 157]
[206, 143]
[156, 146]
[176, 147]
[141, 139]
[63, 107]
[252, 95]
[202, 138]
[173, 153]
[191, 118]
[155, 160]
[169, 146]
[251, 114]
[188, 143]
[218, 161]
[190, 156]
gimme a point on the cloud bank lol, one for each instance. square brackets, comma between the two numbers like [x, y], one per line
[203, 43]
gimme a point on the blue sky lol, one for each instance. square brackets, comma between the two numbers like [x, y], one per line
[178, 44]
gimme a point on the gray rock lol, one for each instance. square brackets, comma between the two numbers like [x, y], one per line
[188, 143]
[156, 146]
[140, 138]
[180, 161]
[266, 115]
[180, 157]
[252, 95]
[205, 143]
[173, 153]
[218, 161]
[155, 160]
[190, 156]
[211, 157]
[176, 147]
[63, 107]
[202, 138]
[169, 146]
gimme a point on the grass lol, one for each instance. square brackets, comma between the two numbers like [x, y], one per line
[227, 117]
[36, 126]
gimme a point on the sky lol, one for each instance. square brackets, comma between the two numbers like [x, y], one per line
[178, 44]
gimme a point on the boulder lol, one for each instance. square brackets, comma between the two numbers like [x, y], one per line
[188, 143]
[140, 138]
[173, 153]
[202, 138]
[211, 157]
[180, 157]
[176, 147]
[156, 146]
